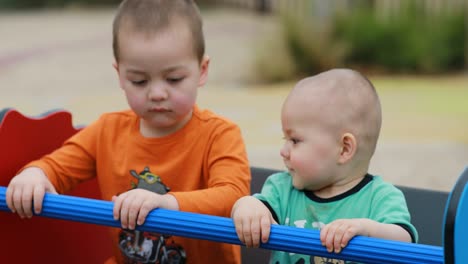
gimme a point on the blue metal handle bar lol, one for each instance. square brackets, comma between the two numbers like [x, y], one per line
[221, 229]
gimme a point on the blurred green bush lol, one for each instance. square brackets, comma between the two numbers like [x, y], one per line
[408, 41]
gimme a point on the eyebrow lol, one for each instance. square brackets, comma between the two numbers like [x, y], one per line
[134, 71]
[288, 131]
[174, 68]
[169, 69]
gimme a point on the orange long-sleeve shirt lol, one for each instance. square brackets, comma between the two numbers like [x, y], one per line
[204, 164]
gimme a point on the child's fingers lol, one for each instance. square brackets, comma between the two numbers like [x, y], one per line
[265, 226]
[124, 211]
[117, 205]
[142, 214]
[38, 195]
[255, 231]
[348, 235]
[147, 206]
[26, 201]
[17, 202]
[337, 241]
[329, 238]
[324, 234]
[133, 211]
[247, 233]
[238, 223]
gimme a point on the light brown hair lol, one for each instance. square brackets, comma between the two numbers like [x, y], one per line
[151, 16]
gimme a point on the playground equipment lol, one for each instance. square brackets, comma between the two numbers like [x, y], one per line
[56, 241]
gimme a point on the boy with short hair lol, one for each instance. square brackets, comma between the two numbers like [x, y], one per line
[163, 153]
[331, 123]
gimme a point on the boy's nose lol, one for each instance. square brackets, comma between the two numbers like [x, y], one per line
[284, 151]
[157, 93]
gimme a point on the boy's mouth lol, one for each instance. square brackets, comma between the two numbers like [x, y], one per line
[290, 170]
[159, 110]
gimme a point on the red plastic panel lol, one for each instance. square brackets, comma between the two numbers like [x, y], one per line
[43, 240]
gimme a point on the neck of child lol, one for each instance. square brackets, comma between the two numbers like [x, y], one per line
[341, 184]
[149, 131]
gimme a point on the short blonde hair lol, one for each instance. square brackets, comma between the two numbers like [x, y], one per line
[154, 15]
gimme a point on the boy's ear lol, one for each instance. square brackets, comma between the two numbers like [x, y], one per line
[348, 148]
[115, 65]
[204, 65]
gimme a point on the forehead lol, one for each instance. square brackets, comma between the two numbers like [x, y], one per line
[299, 112]
[176, 28]
[307, 107]
[307, 99]
[168, 44]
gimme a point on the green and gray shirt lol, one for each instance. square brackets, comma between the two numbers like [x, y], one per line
[372, 198]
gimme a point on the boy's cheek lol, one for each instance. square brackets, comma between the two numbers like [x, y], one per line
[184, 102]
[136, 103]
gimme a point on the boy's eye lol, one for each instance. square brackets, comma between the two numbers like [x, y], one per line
[294, 141]
[139, 82]
[175, 80]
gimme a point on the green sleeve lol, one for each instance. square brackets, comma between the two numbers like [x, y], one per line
[390, 207]
[273, 194]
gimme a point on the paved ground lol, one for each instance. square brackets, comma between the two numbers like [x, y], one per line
[62, 59]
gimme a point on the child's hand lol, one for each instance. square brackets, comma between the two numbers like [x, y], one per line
[252, 219]
[336, 235]
[28, 186]
[132, 207]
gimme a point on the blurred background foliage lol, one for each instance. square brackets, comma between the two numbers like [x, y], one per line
[409, 40]
[374, 36]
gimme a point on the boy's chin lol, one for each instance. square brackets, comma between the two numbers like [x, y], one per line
[302, 186]
[298, 185]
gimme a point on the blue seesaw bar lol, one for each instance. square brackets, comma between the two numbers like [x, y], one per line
[221, 229]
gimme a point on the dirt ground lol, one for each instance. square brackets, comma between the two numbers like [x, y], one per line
[63, 59]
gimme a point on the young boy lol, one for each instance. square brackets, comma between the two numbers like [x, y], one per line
[331, 123]
[163, 153]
